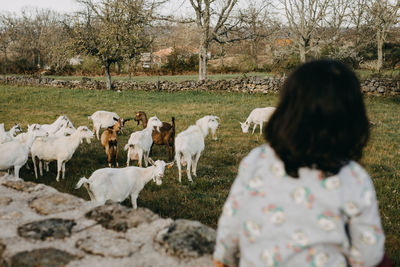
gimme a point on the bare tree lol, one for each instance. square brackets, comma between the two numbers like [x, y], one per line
[258, 25]
[212, 20]
[358, 20]
[6, 37]
[383, 14]
[308, 18]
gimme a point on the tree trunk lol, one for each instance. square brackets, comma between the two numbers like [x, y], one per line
[254, 54]
[203, 60]
[302, 51]
[379, 39]
[108, 76]
[117, 67]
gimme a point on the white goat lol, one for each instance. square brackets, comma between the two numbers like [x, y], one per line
[116, 184]
[139, 144]
[7, 136]
[258, 116]
[102, 119]
[56, 125]
[190, 143]
[58, 148]
[15, 153]
[66, 129]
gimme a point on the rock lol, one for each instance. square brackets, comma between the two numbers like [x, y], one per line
[108, 245]
[2, 249]
[44, 257]
[4, 201]
[235, 85]
[20, 185]
[185, 238]
[10, 215]
[54, 227]
[120, 218]
[55, 203]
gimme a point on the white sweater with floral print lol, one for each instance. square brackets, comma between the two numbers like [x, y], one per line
[271, 219]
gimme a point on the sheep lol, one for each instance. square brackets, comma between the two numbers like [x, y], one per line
[190, 143]
[15, 153]
[7, 136]
[166, 136]
[117, 184]
[103, 119]
[140, 142]
[58, 148]
[109, 140]
[257, 116]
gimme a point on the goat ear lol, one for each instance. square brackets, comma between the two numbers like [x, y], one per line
[151, 162]
[115, 119]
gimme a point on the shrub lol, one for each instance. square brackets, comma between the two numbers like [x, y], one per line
[179, 62]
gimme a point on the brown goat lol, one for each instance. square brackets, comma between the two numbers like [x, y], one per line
[109, 141]
[166, 136]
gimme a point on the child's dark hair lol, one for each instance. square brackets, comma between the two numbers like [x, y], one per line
[320, 121]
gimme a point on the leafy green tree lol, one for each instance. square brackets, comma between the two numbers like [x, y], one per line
[112, 30]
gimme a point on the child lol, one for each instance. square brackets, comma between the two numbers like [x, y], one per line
[302, 199]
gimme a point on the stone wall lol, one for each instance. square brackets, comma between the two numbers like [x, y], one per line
[382, 86]
[43, 227]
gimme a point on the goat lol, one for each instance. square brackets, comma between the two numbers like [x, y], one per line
[190, 143]
[166, 136]
[140, 142]
[117, 184]
[7, 136]
[109, 141]
[56, 125]
[15, 153]
[66, 129]
[58, 148]
[257, 116]
[103, 119]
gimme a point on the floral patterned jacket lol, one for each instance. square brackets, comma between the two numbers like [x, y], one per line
[271, 219]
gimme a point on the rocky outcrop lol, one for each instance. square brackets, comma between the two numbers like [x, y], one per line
[43, 227]
[377, 86]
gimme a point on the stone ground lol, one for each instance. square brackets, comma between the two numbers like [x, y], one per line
[43, 227]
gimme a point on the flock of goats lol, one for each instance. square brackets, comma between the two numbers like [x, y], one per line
[59, 140]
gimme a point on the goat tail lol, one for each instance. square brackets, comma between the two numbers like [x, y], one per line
[126, 147]
[82, 181]
[173, 124]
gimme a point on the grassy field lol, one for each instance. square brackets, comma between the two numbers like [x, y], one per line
[218, 164]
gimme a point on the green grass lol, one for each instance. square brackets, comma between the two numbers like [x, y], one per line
[364, 74]
[218, 164]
